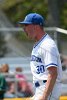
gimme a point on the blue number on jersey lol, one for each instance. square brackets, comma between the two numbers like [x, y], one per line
[40, 69]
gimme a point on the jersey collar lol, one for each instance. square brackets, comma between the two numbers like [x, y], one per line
[40, 40]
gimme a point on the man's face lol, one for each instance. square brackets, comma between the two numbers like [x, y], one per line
[30, 31]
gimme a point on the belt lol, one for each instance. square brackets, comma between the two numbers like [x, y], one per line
[37, 84]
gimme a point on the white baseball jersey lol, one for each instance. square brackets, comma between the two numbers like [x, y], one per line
[45, 54]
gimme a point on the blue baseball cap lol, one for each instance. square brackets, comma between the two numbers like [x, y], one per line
[33, 18]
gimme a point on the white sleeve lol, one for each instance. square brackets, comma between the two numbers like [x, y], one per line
[50, 57]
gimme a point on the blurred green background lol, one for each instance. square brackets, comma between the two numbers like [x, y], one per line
[53, 11]
[18, 9]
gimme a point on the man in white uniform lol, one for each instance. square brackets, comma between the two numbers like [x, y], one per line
[45, 60]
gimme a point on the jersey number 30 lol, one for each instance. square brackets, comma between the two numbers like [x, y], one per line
[40, 69]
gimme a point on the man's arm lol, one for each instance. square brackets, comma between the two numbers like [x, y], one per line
[52, 75]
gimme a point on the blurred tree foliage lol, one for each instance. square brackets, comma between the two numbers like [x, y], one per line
[18, 11]
[63, 16]
[3, 48]
[21, 9]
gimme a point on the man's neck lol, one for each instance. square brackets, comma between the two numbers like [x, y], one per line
[40, 35]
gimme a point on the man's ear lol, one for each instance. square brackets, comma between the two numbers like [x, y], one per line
[36, 26]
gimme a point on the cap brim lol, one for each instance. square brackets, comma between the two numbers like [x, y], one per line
[24, 22]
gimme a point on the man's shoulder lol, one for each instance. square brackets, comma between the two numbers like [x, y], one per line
[49, 40]
[48, 43]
